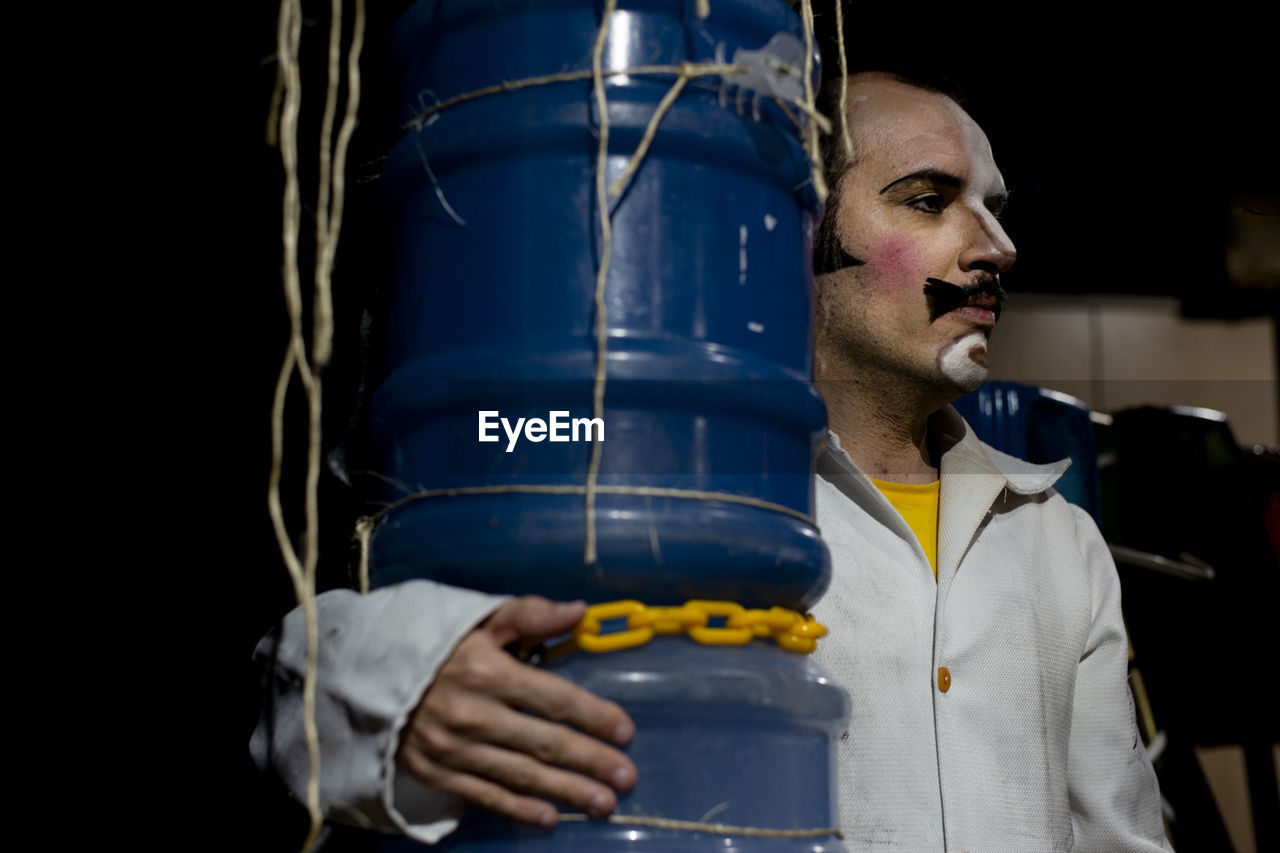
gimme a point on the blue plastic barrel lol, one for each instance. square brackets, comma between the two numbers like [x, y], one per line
[740, 737]
[709, 355]
[708, 381]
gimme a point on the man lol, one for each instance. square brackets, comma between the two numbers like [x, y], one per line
[981, 638]
[990, 706]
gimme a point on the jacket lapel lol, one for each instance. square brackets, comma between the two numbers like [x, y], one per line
[835, 466]
[973, 478]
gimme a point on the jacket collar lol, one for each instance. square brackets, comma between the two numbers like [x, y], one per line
[962, 453]
[973, 476]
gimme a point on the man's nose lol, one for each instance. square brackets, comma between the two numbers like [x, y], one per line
[989, 247]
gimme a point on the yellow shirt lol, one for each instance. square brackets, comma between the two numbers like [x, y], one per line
[918, 506]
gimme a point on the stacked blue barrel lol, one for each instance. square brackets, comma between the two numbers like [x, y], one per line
[709, 421]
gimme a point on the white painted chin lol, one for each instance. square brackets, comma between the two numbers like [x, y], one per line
[957, 361]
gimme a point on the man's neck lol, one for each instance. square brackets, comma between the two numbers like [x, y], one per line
[885, 434]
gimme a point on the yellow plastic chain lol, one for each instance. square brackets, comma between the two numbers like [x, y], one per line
[793, 631]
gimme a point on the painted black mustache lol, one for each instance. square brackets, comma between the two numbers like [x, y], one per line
[944, 296]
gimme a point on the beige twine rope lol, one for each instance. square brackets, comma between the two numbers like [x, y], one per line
[713, 828]
[815, 155]
[844, 81]
[686, 69]
[366, 525]
[696, 69]
[606, 250]
[286, 104]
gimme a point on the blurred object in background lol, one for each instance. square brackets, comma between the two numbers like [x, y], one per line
[1181, 489]
[1117, 352]
[1193, 521]
[1039, 425]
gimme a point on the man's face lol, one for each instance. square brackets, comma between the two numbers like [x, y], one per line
[919, 210]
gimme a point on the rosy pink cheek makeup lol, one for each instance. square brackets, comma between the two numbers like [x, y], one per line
[896, 259]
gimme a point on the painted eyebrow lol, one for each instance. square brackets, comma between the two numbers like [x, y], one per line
[946, 179]
[936, 176]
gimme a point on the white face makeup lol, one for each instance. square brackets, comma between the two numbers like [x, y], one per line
[958, 361]
[920, 204]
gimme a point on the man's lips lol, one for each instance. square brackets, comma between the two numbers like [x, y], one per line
[980, 316]
[979, 302]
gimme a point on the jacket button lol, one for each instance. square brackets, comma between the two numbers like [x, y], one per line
[944, 679]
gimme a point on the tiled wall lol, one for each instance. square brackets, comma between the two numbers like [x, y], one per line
[1114, 352]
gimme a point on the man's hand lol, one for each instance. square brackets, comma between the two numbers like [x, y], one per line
[502, 734]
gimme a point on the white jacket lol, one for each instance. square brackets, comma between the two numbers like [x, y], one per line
[1032, 746]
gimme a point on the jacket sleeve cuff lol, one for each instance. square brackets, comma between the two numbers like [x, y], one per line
[378, 654]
